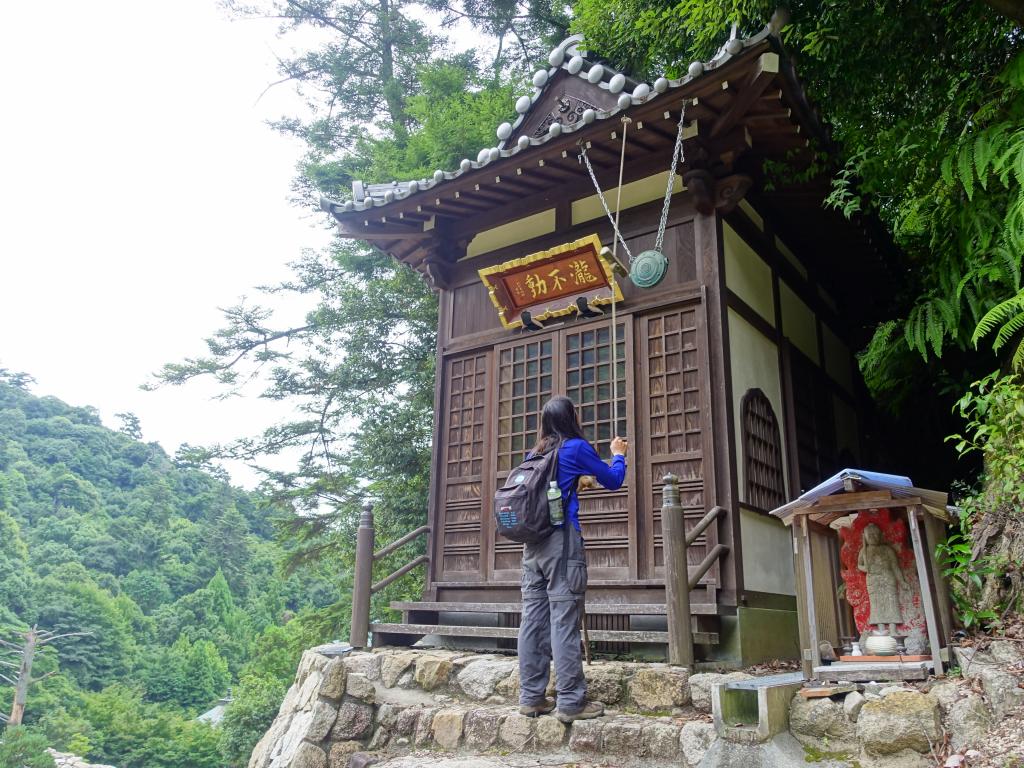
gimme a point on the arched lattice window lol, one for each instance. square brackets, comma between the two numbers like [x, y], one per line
[762, 452]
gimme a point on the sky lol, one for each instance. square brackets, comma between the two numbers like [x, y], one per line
[140, 190]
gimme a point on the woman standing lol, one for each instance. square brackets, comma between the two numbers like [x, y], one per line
[555, 574]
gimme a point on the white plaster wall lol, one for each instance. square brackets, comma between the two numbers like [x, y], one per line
[513, 232]
[754, 360]
[798, 322]
[767, 554]
[748, 275]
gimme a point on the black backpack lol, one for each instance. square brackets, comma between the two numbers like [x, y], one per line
[521, 505]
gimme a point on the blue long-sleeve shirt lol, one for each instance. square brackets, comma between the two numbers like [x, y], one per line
[577, 458]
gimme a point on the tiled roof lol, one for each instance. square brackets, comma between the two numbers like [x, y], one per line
[569, 57]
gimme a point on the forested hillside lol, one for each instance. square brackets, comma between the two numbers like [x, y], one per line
[173, 573]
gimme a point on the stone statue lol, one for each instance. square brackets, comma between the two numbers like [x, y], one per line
[878, 560]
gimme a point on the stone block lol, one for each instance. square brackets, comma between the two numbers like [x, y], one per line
[509, 687]
[549, 732]
[585, 736]
[310, 662]
[479, 678]
[423, 733]
[447, 727]
[359, 687]
[897, 722]
[695, 738]
[379, 740]
[432, 672]
[341, 751]
[945, 694]
[308, 692]
[333, 684]
[660, 740]
[1002, 689]
[405, 721]
[516, 731]
[308, 756]
[659, 689]
[364, 663]
[621, 737]
[701, 684]
[481, 728]
[811, 720]
[605, 684]
[354, 721]
[852, 704]
[393, 665]
[967, 721]
[1006, 652]
[324, 715]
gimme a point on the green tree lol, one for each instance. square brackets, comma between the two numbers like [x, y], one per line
[190, 674]
[22, 747]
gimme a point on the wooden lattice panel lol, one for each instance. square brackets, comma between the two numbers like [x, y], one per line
[762, 452]
[672, 391]
[465, 431]
[588, 383]
[525, 378]
[604, 515]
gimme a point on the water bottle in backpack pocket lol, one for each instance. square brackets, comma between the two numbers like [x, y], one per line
[522, 511]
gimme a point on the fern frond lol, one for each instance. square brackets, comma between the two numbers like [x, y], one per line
[1009, 330]
[965, 168]
[983, 155]
[1018, 357]
[999, 314]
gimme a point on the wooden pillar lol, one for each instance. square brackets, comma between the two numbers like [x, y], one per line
[812, 618]
[360, 626]
[926, 590]
[677, 577]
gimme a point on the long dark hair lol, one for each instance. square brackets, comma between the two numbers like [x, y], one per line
[558, 422]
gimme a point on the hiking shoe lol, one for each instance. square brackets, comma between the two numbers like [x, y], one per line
[591, 710]
[536, 710]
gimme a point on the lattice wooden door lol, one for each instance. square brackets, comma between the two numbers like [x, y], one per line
[673, 402]
[467, 416]
[526, 372]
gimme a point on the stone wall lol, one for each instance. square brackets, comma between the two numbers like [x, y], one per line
[65, 760]
[913, 726]
[400, 700]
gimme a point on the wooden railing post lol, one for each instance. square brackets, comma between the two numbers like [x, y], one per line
[677, 578]
[359, 634]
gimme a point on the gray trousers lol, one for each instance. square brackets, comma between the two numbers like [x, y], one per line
[554, 586]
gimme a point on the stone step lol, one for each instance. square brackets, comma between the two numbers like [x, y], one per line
[385, 633]
[616, 738]
[632, 609]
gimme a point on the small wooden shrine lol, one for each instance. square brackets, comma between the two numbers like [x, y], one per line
[733, 371]
[864, 546]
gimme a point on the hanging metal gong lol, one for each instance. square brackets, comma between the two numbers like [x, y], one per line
[648, 269]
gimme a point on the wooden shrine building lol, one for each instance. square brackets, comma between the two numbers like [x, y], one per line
[735, 372]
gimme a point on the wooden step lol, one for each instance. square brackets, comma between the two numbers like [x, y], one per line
[596, 635]
[631, 609]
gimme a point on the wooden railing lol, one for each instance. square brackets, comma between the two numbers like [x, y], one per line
[678, 579]
[362, 588]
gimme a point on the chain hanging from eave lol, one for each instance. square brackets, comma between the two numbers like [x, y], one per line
[677, 157]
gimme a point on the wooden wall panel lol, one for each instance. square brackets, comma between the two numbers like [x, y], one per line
[672, 404]
[466, 417]
[472, 310]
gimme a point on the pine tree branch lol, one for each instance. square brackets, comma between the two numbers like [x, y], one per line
[1012, 9]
